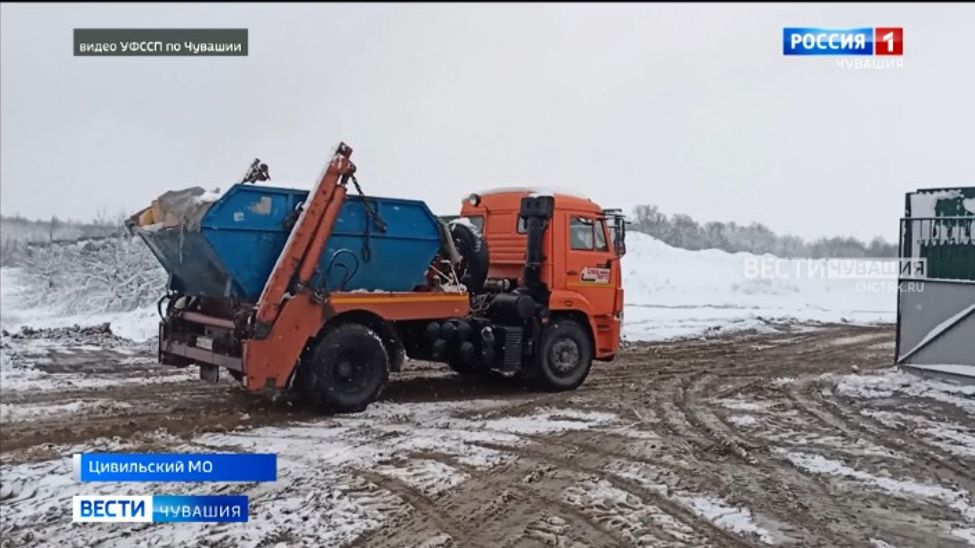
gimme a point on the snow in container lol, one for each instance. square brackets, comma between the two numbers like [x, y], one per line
[229, 247]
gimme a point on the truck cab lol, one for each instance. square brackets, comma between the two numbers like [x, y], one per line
[581, 250]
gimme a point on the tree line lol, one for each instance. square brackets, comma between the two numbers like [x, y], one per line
[683, 231]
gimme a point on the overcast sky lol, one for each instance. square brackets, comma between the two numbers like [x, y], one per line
[690, 107]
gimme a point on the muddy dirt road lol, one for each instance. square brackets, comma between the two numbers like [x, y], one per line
[798, 437]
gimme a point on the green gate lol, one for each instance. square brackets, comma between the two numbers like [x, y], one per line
[939, 226]
[936, 307]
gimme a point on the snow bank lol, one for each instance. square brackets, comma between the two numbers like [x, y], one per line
[671, 292]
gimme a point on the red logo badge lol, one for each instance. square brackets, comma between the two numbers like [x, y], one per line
[888, 41]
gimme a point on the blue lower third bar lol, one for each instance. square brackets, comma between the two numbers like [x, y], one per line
[162, 467]
[159, 508]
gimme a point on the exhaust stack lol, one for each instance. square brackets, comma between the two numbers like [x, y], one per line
[537, 211]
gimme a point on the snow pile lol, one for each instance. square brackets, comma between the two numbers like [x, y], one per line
[672, 292]
[115, 280]
[22, 308]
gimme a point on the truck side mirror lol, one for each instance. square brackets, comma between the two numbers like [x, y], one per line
[617, 222]
[620, 246]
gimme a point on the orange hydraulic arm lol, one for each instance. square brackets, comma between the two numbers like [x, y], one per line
[304, 247]
[290, 313]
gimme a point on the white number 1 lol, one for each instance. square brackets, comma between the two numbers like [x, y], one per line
[889, 38]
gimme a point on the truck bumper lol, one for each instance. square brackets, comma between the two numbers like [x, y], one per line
[182, 347]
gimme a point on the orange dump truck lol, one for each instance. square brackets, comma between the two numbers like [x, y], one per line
[321, 294]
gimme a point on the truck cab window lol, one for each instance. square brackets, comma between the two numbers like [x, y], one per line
[581, 234]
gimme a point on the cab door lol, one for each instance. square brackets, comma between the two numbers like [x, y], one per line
[591, 267]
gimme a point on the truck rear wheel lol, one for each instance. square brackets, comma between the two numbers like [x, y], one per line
[564, 356]
[347, 370]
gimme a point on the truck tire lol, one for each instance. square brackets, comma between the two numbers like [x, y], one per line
[473, 267]
[347, 370]
[396, 353]
[564, 356]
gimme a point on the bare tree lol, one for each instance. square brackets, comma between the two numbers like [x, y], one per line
[684, 232]
[110, 274]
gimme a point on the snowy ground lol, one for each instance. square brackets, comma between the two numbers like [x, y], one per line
[799, 437]
[781, 427]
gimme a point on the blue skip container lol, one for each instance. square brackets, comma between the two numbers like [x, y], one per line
[240, 236]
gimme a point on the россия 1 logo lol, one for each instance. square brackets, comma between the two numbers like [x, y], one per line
[859, 41]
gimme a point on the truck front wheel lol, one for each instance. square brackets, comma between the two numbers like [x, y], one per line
[564, 356]
[347, 370]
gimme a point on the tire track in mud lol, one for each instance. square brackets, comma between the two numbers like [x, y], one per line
[686, 415]
[541, 454]
[852, 424]
[430, 516]
[754, 372]
[748, 371]
[790, 490]
[812, 406]
[135, 391]
[178, 418]
[526, 482]
[679, 358]
[675, 422]
[495, 507]
[703, 420]
[879, 429]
